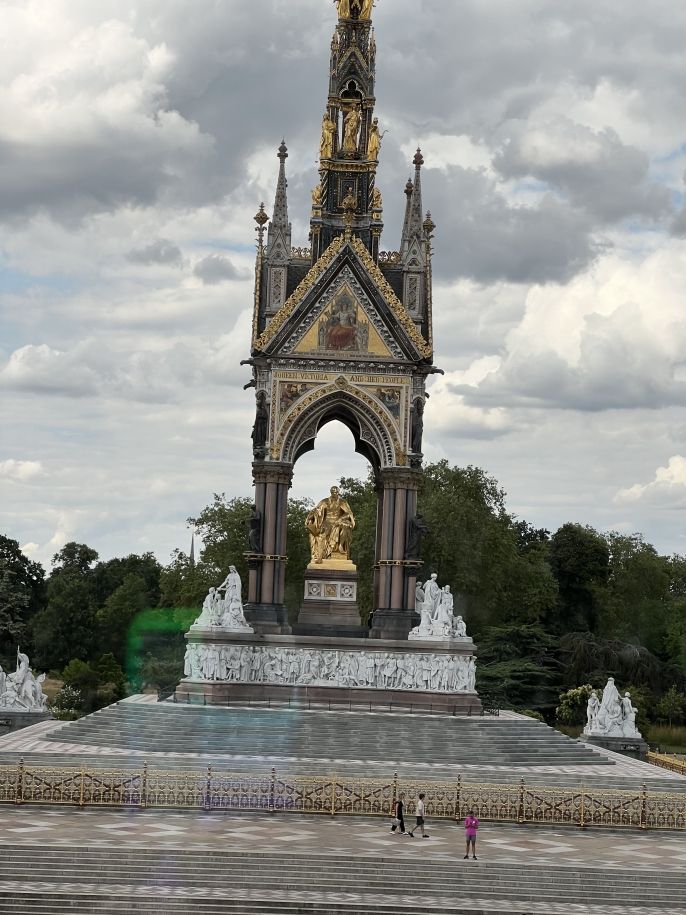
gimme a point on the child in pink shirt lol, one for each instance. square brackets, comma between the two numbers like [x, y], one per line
[471, 824]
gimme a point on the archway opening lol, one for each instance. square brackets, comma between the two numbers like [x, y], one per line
[332, 457]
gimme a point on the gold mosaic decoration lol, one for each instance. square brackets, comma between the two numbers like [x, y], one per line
[315, 274]
[287, 309]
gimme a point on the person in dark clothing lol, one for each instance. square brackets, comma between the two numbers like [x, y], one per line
[399, 815]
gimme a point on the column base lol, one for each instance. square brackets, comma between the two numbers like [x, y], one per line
[267, 619]
[393, 624]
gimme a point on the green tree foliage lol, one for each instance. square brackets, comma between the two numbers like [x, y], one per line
[362, 499]
[498, 567]
[586, 657]
[66, 628]
[22, 594]
[99, 683]
[573, 704]
[672, 706]
[518, 667]
[580, 560]
[184, 583]
[119, 610]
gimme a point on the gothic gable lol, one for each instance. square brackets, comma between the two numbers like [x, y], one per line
[344, 307]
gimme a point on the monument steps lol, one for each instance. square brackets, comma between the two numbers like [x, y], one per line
[331, 735]
[137, 876]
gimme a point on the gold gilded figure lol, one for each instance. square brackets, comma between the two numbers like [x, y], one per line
[366, 9]
[330, 526]
[343, 9]
[351, 128]
[328, 134]
[374, 144]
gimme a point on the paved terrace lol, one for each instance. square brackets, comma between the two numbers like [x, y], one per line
[149, 861]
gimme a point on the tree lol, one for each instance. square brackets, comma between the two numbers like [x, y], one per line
[66, 628]
[120, 609]
[573, 705]
[74, 557]
[518, 667]
[363, 500]
[672, 706]
[22, 594]
[580, 560]
[110, 575]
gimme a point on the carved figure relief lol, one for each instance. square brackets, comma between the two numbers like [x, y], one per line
[319, 667]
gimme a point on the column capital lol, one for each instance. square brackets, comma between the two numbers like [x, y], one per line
[272, 472]
[401, 478]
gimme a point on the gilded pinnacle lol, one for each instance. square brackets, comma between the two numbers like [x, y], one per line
[261, 217]
[418, 160]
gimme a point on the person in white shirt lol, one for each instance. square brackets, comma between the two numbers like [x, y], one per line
[420, 818]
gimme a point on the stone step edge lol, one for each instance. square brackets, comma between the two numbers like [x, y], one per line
[501, 867]
[390, 902]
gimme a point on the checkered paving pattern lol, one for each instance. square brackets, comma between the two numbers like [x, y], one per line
[338, 836]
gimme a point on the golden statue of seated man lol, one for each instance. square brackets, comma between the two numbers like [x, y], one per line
[330, 526]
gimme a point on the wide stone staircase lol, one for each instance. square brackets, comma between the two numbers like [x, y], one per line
[48, 881]
[358, 743]
[323, 735]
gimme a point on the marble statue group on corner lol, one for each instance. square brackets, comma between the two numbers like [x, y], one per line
[612, 715]
[434, 604]
[224, 612]
[318, 667]
[22, 691]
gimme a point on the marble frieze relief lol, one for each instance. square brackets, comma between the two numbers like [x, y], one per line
[444, 673]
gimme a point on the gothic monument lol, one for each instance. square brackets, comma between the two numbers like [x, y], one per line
[341, 331]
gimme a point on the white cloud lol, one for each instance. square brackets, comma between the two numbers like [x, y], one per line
[137, 141]
[667, 489]
[20, 471]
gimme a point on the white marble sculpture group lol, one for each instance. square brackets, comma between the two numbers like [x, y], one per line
[435, 608]
[21, 691]
[227, 612]
[317, 667]
[611, 716]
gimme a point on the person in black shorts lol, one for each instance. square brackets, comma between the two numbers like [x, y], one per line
[420, 818]
[399, 815]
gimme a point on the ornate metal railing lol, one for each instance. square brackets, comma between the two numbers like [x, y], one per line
[334, 795]
[664, 761]
[389, 257]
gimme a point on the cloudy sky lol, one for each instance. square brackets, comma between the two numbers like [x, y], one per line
[137, 139]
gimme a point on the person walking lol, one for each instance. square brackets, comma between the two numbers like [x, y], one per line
[420, 818]
[399, 815]
[471, 824]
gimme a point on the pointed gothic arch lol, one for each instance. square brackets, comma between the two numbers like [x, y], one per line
[372, 429]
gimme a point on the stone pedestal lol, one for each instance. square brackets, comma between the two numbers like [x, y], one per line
[635, 747]
[223, 666]
[12, 720]
[330, 607]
